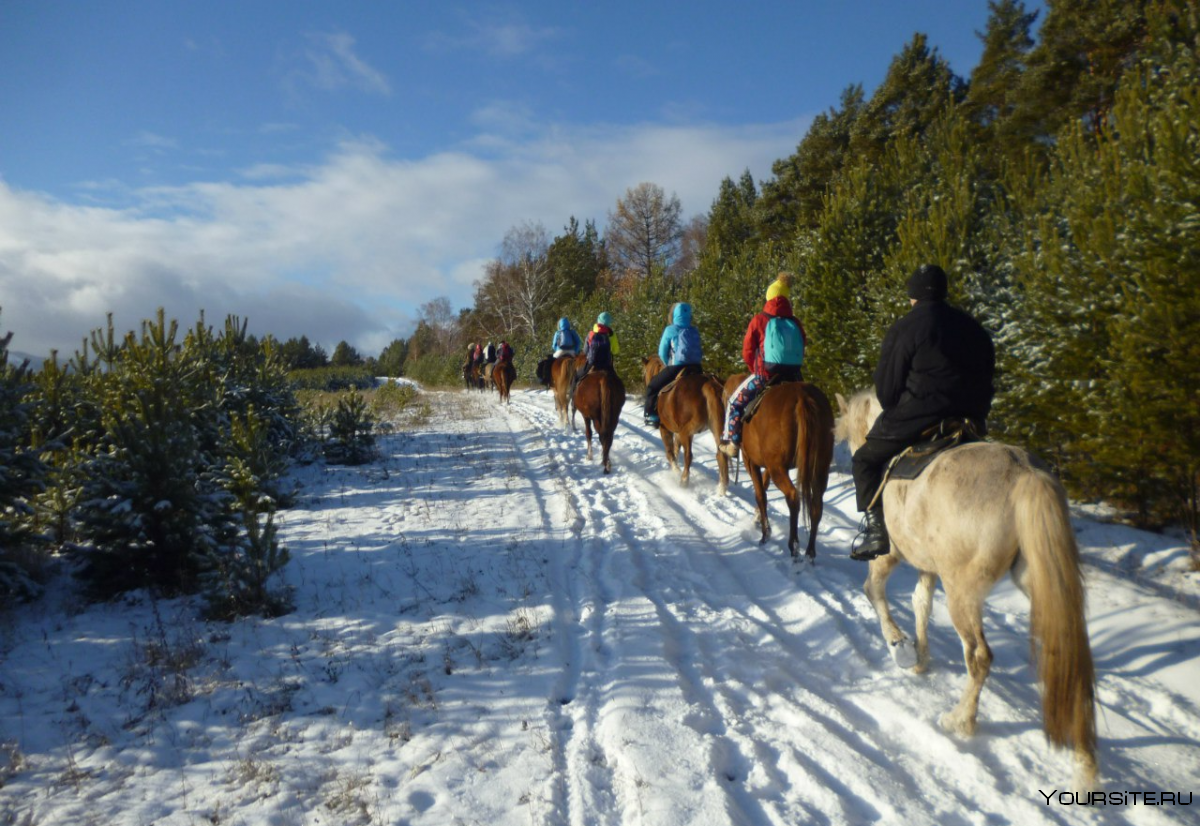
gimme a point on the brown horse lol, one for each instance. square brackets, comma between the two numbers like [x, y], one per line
[792, 428]
[561, 372]
[600, 397]
[690, 405]
[977, 512]
[470, 373]
[503, 376]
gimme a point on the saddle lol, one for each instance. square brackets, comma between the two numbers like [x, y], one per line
[751, 408]
[911, 462]
[689, 370]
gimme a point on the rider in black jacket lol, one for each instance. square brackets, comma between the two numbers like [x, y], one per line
[936, 363]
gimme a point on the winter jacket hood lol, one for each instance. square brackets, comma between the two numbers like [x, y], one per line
[680, 342]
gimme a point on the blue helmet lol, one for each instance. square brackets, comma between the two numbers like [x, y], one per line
[605, 318]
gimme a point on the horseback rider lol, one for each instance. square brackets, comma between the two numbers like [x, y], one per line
[679, 348]
[566, 340]
[506, 351]
[489, 359]
[566, 343]
[600, 348]
[773, 349]
[937, 363]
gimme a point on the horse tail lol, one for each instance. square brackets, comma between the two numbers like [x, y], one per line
[602, 420]
[805, 449]
[715, 407]
[1055, 587]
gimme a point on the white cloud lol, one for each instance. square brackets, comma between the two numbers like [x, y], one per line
[333, 64]
[347, 248]
[496, 39]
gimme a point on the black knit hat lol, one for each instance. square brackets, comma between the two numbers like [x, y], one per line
[928, 283]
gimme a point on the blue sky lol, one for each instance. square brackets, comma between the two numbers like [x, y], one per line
[326, 168]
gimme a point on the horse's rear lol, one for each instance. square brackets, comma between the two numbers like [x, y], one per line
[694, 403]
[561, 372]
[792, 429]
[977, 512]
[599, 399]
[503, 377]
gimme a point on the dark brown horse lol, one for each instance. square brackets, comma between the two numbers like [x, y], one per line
[561, 372]
[692, 403]
[792, 428]
[503, 376]
[600, 397]
[470, 374]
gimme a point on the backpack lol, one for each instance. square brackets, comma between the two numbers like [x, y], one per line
[686, 347]
[599, 353]
[783, 345]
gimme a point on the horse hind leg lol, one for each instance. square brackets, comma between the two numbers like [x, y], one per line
[685, 474]
[759, 480]
[669, 446]
[783, 481]
[966, 612]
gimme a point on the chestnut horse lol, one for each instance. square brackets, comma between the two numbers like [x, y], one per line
[599, 397]
[792, 428]
[503, 376]
[979, 511]
[561, 372]
[690, 405]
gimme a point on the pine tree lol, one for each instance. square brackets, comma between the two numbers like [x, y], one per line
[22, 477]
[794, 199]
[1072, 74]
[152, 508]
[917, 90]
[731, 220]
[351, 431]
[992, 95]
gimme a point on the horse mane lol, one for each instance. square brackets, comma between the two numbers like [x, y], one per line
[856, 417]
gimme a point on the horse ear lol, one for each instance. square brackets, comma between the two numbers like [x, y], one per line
[645, 360]
[841, 400]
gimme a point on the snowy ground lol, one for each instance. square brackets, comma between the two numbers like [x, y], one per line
[488, 630]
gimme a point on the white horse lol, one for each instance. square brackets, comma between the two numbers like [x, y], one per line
[977, 512]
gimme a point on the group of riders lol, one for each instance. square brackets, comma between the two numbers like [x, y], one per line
[483, 358]
[937, 365]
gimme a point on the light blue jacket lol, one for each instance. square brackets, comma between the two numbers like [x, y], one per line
[565, 338]
[670, 346]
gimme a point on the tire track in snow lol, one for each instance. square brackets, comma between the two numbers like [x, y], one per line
[581, 591]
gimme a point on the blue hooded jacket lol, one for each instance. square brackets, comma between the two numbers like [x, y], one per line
[565, 338]
[680, 342]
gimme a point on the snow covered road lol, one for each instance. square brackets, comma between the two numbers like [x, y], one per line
[490, 630]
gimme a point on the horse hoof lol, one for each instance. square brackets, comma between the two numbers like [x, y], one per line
[953, 724]
[904, 653]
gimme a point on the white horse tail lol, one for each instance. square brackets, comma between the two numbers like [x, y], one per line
[1054, 582]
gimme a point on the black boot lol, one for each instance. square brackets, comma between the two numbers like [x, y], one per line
[874, 537]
